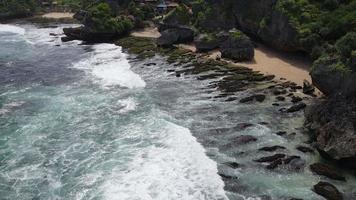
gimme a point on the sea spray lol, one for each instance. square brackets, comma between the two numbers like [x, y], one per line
[108, 63]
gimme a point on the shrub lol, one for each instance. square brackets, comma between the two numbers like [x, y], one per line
[103, 20]
[346, 44]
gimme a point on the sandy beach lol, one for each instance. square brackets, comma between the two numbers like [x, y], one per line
[287, 66]
[58, 15]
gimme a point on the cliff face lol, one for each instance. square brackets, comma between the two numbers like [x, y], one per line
[260, 19]
[257, 18]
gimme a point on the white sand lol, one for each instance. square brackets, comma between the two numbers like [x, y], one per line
[147, 32]
[58, 15]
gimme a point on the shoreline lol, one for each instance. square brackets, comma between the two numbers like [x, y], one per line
[282, 65]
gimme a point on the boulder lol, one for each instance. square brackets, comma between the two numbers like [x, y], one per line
[333, 82]
[167, 38]
[205, 42]
[237, 47]
[327, 190]
[175, 35]
[331, 124]
[326, 170]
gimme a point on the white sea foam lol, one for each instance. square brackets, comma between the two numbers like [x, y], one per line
[12, 29]
[127, 105]
[110, 65]
[175, 168]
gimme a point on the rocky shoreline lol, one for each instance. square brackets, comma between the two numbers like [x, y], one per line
[231, 80]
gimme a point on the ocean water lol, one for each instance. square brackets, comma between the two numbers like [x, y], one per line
[92, 122]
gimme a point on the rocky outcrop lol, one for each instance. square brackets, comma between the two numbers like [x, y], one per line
[205, 42]
[331, 80]
[332, 125]
[237, 47]
[174, 34]
[82, 33]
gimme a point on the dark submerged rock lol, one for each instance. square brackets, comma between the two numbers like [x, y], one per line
[326, 170]
[328, 191]
[244, 139]
[272, 148]
[258, 97]
[270, 158]
[305, 149]
[296, 108]
[233, 165]
[296, 99]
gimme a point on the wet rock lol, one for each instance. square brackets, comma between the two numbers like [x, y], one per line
[260, 97]
[279, 91]
[305, 149]
[327, 190]
[231, 99]
[290, 158]
[246, 99]
[275, 164]
[270, 158]
[244, 139]
[280, 98]
[296, 99]
[275, 104]
[308, 88]
[271, 148]
[326, 170]
[233, 165]
[257, 97]
[89, 34]
[53, 34]
[224, 176]
[281, 133]
[295, 199]
[150, 64]
[66, 39]
[296, 108]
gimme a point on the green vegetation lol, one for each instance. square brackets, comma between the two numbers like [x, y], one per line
[180, 15]
[17, 8]
[103, 20]
[326, 28]
[238, 35]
